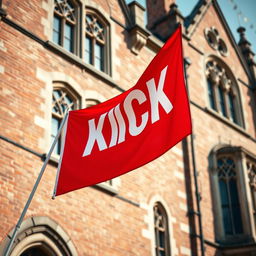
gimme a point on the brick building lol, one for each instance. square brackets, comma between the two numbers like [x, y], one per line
[197, 199]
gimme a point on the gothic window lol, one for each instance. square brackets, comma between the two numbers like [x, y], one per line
[223, 93]
[41, 236]
[65, 24]
[162, 243]
[95, 49]
[233, 183]
[231, 213]
[251, 171]
[62, 99]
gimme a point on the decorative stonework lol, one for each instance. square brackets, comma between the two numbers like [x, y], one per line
[215, 41]
[139, 39]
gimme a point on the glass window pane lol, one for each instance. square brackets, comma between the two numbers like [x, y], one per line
[56, 29]
[223, 192]
[99, 57]
[88, 50]
[232, 108]
[227, 220]
[222, 101]
[68, 38]
[211, 94]
[55, 128]
[235, 207]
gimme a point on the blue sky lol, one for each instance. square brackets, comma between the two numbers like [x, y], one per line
[237, 13]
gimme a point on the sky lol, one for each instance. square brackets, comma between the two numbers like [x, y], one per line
[237, 13]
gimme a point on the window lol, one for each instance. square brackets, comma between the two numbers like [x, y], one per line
[93, 46]
[62, 99]
[95, 41]
[233, 176]
[65, 24]
[162, 243]
[223, 93]
[231, 215]
[41, 236]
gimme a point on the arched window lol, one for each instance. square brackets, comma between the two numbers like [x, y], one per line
[96, 39]
[62, 98]
[65, 24]
[223, 92]
[233, 183]
[42, 236]
[230, 206]
[162, 242]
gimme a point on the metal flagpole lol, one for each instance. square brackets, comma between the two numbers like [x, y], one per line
[17, 227]
[195, 173]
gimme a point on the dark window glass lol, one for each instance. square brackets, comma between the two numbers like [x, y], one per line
[68, 38]
[161, 231]
[211, 94]
[232, 108]
[56, 30]
[95, 42]
[64, 23]
[222, 101]
[88, 50]
[60, 102]
[231, 213]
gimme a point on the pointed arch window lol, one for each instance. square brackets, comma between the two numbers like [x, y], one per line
[95, 49]
[230, 206]
[65, 23]
[233, 183]
[62, 99]
[162, 242]
[223, 92]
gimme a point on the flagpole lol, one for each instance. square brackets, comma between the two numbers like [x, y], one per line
[18, 225]
[195, 172]
[60, 160]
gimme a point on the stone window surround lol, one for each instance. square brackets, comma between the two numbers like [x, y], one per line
[150, 222]
[43, 232]
[240, 155]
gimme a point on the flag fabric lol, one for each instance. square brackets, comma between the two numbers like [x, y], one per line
[131, 129]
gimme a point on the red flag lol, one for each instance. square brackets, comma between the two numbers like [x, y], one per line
[130, 130]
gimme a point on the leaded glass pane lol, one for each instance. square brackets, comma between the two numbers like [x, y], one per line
[56, 30]
[55, 128]
[232, 108]
[64, 24]
[95, 41]
[211, 94]
[68, 38]
[221, 101]
[60, 102]
[161, 231]
[88, 50]
[99, 57]
[230, 206]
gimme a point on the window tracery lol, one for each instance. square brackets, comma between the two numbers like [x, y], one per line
[64, 24]
[223, 94]
[95, 40]
[62, 100]
[161, 231]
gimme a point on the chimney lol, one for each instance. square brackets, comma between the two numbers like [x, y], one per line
[163, 17]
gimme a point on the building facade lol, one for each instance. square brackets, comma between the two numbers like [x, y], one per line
[199, 198]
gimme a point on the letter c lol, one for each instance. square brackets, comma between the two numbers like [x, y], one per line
[138, 95]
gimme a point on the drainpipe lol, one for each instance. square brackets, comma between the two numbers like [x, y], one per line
[187, 63]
